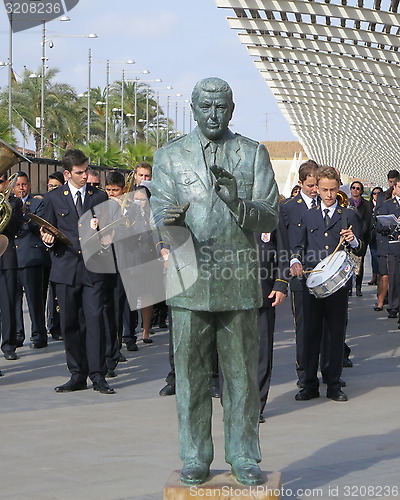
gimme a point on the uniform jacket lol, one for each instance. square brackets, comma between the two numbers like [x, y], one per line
[390, 206]
[9, 258]
[28, 244]
[291, 215]
[317, 242]
[224, 257]
[274, 263]
[61, 212]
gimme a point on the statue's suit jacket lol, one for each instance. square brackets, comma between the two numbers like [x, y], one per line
[225, 251]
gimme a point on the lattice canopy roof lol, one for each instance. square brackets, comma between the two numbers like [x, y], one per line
[334, 69]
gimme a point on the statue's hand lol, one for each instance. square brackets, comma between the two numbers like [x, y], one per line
[175, 216]
[226, 187]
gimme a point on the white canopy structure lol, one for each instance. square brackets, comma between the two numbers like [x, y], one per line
[334, 69]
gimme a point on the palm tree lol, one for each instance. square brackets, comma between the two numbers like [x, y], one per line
[134, 153]
[61, 118]
[6, 132]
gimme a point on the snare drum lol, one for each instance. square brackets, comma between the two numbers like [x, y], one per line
[332, 275]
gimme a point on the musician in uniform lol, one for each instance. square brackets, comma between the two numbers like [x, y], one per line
[291, 214]
[321, 230]
[31, 260]
[78, 290]
[389, 236]
[8, 277]
[273, 251]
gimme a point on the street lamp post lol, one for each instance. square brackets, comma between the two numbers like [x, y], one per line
[129, 61]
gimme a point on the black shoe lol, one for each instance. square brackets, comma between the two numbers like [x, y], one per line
[194, 473]
[392, 314]
[1, 374]
[347, 363]
[19, 342]
[122, 358]
[131, 346]
[38, 345]
[306, 394]
[247, 471]
[71, 386]
[376, 308]
[300, 384]
[147, 341]
[261, 419]
[341, 382]
[10, 355]
[111, 374]
[358, 293]
[167, 390]
[102, 386]
[57, 336]
[337, 395]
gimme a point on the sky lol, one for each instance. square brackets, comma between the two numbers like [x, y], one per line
[178, 41]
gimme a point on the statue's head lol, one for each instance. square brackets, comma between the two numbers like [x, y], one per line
[212, 106]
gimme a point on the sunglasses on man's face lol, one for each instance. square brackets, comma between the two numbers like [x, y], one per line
[356, 188]
[2, 181]
[376, 192]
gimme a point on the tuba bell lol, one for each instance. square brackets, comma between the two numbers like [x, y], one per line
[8, 157]
[342, 199]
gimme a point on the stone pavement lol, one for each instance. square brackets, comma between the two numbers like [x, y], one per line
[89, 446]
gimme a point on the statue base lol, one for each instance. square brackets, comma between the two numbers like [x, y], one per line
[222, 485]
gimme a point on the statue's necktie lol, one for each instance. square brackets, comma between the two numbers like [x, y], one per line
[213, 148]
[326, 218]
[79, 206]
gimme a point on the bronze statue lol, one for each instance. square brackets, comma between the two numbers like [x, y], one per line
[221, 187]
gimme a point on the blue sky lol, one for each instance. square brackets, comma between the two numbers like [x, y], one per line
[179, 41]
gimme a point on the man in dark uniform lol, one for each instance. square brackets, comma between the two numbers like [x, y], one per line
[322, 228]
[273, 251]
[79, 291]
[291, 214]
[8, 277]
[31, 259]
[390, 241]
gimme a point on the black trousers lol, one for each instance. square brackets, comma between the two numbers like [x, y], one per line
[30, 280]
[298, 314]
[266, 328]
[328, 315]
[8, 284]
[393, 292]
[82, 326]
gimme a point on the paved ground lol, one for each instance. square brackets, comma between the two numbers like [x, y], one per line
[85, 445]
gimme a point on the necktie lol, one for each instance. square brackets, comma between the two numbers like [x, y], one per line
[213, 153]
[326, 218]
[79, 206]
[313, 203]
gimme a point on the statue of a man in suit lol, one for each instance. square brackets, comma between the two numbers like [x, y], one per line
[221, 187]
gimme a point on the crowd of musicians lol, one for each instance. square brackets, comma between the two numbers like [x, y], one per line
[93, 312]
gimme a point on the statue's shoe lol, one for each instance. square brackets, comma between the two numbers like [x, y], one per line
[194, 472]
[246, 471]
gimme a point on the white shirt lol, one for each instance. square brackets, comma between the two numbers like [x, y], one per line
[307, 200]
[74, 190]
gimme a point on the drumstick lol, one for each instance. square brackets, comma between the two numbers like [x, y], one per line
[313, 271]
[337, 248]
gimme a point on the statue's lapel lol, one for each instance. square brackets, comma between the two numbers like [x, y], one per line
[197, 162]
[231, 153]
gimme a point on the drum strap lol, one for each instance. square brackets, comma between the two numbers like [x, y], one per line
[344, 217]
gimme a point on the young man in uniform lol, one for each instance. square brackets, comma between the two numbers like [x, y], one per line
[321, 229]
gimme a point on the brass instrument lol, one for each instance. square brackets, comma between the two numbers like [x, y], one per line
[8, 157]
[342, 199]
